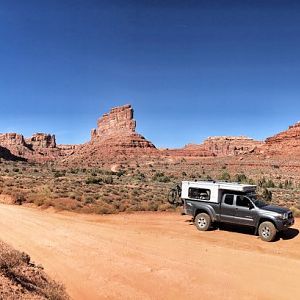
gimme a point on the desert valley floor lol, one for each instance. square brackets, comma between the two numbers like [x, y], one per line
[157, 255]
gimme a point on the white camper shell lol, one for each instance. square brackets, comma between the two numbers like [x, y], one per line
[211, 191]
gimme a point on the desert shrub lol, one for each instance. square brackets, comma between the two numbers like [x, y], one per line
[140, 176]
[121, 173]
[266, 195]
[58, 174]
[17, 268]
[296, 211]
[19, 199]
[89, 200]
[104, 209]
[225, 176]
[160, 177]
[38, 201]
[208, 177]
[165, 207]
[55, 291]
[108, 180]
[240, 178]
[94, 180]
[66, 204]
[288, 184]
[270, 184]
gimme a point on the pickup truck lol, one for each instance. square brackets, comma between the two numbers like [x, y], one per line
[212, 202]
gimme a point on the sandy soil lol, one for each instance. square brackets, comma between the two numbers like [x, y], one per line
[153, 256]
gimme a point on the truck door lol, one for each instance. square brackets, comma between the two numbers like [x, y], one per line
[228, 210]
[244, 211]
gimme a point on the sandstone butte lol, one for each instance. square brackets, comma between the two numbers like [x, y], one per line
[116, 135]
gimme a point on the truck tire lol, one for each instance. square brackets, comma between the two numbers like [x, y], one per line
[202, 221]
[267, 231]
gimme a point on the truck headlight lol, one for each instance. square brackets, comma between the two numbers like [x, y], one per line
[282, 216]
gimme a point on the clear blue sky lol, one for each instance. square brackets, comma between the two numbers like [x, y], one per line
[191, 69]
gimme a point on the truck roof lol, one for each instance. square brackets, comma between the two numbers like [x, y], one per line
[231, 186]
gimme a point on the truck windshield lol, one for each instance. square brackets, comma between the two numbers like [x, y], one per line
[260, 203]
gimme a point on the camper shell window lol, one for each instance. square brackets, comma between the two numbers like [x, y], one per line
[199, 194]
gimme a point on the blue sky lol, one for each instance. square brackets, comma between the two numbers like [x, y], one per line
[191, 69]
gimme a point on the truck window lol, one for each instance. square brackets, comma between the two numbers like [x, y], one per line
[228, 199]
[201, 194]
[242, 201]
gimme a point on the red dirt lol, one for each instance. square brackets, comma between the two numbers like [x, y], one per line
[152, 256]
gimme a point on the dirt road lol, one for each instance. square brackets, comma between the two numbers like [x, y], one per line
[153, 256]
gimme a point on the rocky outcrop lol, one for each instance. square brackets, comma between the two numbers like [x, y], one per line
[41, 141]
[115, 135]
[286, 143]
[116, 130]
[230, 145]
[40, 147]
[7, 155]
[117, 122]
[219, 146]
[11, 139]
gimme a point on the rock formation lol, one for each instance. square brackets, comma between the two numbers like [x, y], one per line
[117, 122]
[7, 155]
[41, 141]
[219, 146]
[40, 147]
[284, 143]
[230, 145]
[115, 135]
[116, 129]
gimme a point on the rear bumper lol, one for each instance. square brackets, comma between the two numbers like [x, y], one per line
[284, 224]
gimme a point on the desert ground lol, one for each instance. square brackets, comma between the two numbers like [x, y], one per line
[153, 255]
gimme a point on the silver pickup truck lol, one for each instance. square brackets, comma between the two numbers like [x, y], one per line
[211, 202]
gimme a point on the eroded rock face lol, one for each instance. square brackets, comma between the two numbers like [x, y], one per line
[284, 143]
[115, 135]
[117, 122]
[116, 129]
[41, 140]
[230, 145]
[219, 146]
[39, 147]
[11, 139]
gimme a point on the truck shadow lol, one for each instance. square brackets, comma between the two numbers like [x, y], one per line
[233, 228]
[288, 234]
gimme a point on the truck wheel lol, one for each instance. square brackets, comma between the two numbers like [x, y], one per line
[267, 231]
[202, 221]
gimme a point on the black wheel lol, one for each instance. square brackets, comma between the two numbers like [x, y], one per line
[267, 231]
[174, 198]
[202, 221]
